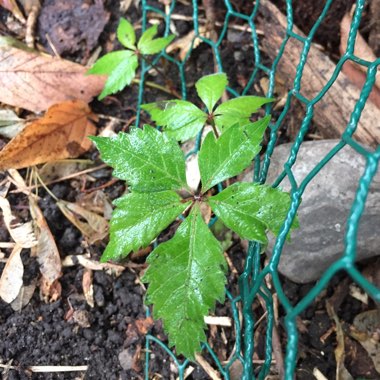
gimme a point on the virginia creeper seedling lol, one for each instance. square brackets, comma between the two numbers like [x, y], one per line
[121, 65]
[183, 120]
[186, 274]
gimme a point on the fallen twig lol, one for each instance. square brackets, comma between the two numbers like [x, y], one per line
[49, 368]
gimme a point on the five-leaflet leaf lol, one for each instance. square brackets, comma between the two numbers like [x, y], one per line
[186, 274]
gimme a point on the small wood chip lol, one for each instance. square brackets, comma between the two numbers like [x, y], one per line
[218, 321]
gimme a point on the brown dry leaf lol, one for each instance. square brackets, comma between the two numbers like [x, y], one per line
[366, 330]
[183, 44]
[36, 82]
[24, 296]
[49, 292]
[341, 371]
[11, 278]
[62, 168]
[46, 250]
[97, 201]
[61, 133]
[93, 226]
[22, 234]
[88, 287]
[355, 72]
[138, 329]
[12, 6]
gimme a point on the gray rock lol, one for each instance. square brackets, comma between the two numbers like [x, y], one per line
[324, 210]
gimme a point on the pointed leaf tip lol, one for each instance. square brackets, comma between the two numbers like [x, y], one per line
[210, 89]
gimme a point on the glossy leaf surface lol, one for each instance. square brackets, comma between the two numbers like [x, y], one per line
[210, 89]
[120, 66]
[231, 153]
[126, 34]
[138, 219]
[146, 158]
[181, 119]
[250, 209]
[238, 110]
[186, 277]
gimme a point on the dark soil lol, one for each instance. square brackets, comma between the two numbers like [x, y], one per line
[108, 336]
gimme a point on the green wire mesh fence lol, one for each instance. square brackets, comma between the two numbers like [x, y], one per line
[252, 282]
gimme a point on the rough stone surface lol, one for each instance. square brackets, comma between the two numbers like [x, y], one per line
[324, 210]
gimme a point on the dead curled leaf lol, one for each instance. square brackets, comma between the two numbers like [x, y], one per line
[22, 234]
[36, 82]
[61, 133]
[97, 201]
[46, 249]
[62, 168]
[23, 297]
[93, 226]
[366, 330]
[11, 277]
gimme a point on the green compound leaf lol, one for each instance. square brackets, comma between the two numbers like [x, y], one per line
[155, 46]
[147, 45]
[138, 219]
[180, 119]
[120, 66]
[250, 209]
[231, 153]
[210, 89]
[146, 158]
[238, 110]
[126, 34]
[186, 277]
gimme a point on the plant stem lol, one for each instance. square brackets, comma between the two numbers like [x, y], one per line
[157, 87]
[212, 123]
[150, 62]
[44, 186]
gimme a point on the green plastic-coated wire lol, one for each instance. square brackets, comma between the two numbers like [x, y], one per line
[252, 282]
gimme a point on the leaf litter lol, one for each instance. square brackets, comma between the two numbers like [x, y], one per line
[46, 249]
[61, 133]
[10, 124]
[93, 226]
[35, 81]
[11, 278]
